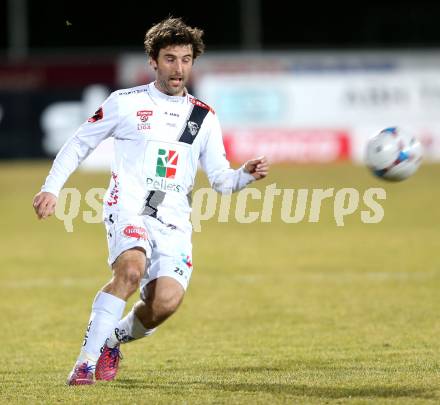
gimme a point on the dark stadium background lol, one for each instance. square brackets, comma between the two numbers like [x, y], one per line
[284, 25]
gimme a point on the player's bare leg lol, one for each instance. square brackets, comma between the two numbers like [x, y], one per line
[107, 310]
[128, 270]
[161, 298]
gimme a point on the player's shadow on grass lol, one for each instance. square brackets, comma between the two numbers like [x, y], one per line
[276, 388]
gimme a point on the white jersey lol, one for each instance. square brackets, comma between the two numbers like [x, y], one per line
[158, 142]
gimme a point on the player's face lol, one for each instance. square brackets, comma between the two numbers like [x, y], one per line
[173, 68]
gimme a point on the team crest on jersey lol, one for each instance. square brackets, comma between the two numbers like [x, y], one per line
[193, 128]
[143, 117]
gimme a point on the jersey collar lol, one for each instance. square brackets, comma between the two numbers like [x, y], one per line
[157, 94]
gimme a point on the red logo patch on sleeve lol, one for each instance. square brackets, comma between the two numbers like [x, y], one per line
[99, 115]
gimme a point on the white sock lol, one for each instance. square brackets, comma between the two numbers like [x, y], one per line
[128, 329]
[107, 310]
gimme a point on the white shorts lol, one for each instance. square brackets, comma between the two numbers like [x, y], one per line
[168, 248]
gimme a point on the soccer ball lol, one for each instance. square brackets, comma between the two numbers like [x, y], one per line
[393, 154]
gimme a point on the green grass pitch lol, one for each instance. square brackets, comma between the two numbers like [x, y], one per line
[307, 313]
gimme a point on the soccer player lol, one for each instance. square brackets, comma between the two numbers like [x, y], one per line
[160, 134]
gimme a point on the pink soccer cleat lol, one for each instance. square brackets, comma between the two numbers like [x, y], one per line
[82, 374]
[108, 363]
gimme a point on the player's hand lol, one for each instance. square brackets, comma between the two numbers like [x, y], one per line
[258, 167]
[44, 204]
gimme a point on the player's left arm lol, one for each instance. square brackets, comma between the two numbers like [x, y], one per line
[258, 167]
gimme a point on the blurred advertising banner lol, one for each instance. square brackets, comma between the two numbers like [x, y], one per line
[271, 108]
[288, 145]
[323, 99]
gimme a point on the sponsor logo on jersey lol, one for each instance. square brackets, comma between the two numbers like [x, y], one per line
[166, 169]
[143, 116]
[163, 185]
[166, 165]
[136, 232]
[144, 125]
[99, 115]
[193, 128]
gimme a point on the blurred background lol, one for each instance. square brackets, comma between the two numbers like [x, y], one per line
[305, 83]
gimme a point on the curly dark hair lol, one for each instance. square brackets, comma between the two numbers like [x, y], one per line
[173, 31]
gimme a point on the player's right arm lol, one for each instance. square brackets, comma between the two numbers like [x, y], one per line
[44, 204]
[88, 136]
